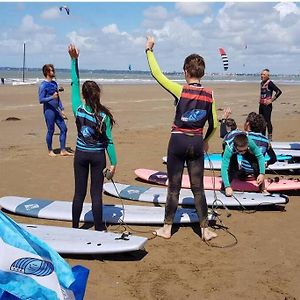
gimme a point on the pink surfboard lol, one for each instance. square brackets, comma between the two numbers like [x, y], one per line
[215, 183]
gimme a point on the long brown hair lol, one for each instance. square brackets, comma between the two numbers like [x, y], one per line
[91, 93]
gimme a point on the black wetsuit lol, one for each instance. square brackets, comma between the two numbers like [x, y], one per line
[266, 90]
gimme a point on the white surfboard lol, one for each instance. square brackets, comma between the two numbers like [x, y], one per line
[278, 166]
[159, 195]
[62, 210]
[286, 145]
[81, 241]
[293, 153]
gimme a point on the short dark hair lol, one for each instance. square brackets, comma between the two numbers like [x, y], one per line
[240, 140]
[46, 69]
[194, 64]
[251, 116]
[231, 124]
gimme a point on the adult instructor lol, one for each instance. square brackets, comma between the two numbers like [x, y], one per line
[267, 87]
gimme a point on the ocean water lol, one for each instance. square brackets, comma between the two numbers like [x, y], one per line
[134, 77]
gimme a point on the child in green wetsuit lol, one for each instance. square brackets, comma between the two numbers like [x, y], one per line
[239, 143]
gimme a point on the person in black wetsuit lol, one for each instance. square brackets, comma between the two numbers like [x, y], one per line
[195, 106]
[267, 87]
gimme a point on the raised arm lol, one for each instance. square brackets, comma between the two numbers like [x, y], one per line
[75, 83]
[172, 87]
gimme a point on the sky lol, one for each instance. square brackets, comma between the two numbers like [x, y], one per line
[112, 35]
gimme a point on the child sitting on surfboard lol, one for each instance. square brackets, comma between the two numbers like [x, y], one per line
[238, 142]
[94, 123]
[195, 106]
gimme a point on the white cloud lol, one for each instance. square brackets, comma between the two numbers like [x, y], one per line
[28, 25]
[286, 8]
[192, 8]
[155, 16]
[207, 20]
[271, 33]
[156, 12]
[51, 13]
[81, 41]
[112, 28]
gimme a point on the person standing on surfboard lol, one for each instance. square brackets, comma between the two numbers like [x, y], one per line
[94, 123]
[267, 87]
[53, 110]
[195, 106]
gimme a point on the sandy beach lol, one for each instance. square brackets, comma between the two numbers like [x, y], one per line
[265, 262]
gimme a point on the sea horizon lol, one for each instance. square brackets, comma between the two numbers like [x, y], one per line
[103, 76]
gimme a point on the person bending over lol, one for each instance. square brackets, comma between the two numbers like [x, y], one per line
[240, 144]
[195, 106]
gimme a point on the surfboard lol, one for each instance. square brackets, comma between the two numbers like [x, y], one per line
[215, 183]
[286, 145]
[159, 195]
[287, 152]
[114, 214]
[79, 241]
[215, 164]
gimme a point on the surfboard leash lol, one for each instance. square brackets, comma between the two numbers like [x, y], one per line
[214, 207]
[123, 223]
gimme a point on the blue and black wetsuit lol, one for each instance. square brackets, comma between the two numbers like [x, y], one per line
[52, 107]
[195, 106]
[90, 153]
[266, 91]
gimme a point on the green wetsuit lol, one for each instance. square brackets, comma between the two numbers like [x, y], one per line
[229, 151]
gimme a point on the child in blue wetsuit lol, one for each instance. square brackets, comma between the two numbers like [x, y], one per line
[94, 122]
[53, 110]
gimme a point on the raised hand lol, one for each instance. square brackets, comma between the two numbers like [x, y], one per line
[73, 51]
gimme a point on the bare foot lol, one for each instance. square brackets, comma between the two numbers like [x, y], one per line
[66, 153]
[51, 153]
[265, 192]
[164, 232]
[207, 234]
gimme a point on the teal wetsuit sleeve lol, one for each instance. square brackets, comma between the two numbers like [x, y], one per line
[111, 151]
[225, 166]
[172, 87]
[257, 152]
[75, 86]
